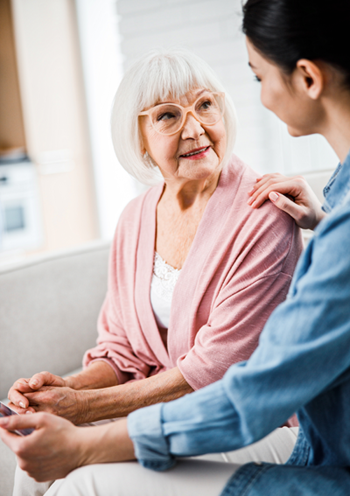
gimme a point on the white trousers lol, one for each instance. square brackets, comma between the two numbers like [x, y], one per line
[206, 475]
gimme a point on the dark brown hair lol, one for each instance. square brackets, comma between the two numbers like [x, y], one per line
[286, 31]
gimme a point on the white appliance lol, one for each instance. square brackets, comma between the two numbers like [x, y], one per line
[20, 215]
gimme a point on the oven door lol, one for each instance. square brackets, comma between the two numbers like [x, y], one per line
[19, 223]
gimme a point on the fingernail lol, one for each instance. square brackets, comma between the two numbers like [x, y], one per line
[273, 196]
[34, 383]
[28, 411]
[4, 421]
[21, 404]
[250, 201]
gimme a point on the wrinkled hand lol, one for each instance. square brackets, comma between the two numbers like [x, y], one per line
[16, 394]
[300, 203]
[62, 401]
[53, 450]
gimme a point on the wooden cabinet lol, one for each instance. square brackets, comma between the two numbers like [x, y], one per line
[42, 107]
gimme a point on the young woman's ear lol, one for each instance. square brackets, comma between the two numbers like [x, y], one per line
[312, 76]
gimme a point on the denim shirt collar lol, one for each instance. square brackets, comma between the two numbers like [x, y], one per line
[337, 187]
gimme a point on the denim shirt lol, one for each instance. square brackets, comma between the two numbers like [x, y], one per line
[302, 364]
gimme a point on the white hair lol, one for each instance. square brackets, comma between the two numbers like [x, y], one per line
[154, 77]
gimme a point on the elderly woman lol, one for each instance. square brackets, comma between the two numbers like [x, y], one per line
[194, 271]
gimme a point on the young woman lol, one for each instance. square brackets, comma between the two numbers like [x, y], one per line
[298, 50]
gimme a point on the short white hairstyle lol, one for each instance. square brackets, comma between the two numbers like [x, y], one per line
[151, 79]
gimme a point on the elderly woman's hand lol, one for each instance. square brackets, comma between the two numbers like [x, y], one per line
[302, 204]
[62, 401]
[57, 447]
[53, 394]
[16, 394]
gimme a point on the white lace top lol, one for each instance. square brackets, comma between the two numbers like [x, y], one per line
[163, 284]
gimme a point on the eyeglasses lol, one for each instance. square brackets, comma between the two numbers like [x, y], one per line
[169, 118]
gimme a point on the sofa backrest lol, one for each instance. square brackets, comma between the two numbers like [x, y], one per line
[48, 312]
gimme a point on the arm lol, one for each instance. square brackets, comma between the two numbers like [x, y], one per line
[253, 398]
[303, 350]
[90, 395]
[57, 447]
[98, 375]
[300, 203]
[252, 287]
[254, 281]
[84, 406]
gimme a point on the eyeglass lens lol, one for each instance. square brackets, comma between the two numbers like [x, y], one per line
[167, 118]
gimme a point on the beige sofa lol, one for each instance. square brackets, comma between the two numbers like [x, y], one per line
[48, 311]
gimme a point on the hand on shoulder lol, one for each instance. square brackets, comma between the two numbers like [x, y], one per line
[293, 195]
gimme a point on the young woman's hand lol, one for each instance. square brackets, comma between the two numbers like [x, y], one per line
[293, 195]
[16, 394]
[56, 447]
[51, 451]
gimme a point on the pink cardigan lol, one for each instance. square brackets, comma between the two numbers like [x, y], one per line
[238, 270]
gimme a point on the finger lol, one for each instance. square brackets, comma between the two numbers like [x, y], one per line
[266, 178]
[288, 206]
[46, 378]
[35, 399]
[16, 392]
[21, 385]
[262, 194]
[20, 410]
[18, 422]
[10, 439]
[45, 397]
[16, 396]
[269, 186]
[15, 422]
[273, 181]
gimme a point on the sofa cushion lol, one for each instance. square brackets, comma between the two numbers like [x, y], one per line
[49, 309]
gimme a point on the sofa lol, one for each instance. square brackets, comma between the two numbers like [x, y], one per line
[48, 311]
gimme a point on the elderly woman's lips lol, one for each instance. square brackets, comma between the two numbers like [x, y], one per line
[197, 153]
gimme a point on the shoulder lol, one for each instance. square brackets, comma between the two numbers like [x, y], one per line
[135, 207]
[139, 210]
[336, 223]
[237, 170]
[267, 228]
[240, 179]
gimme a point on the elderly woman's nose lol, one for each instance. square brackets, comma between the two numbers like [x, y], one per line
[192, 128]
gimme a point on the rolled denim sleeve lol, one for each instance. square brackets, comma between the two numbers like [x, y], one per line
[303, 351]
[145, 428]
[183, 427]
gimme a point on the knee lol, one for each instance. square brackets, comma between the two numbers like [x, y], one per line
[75, 484]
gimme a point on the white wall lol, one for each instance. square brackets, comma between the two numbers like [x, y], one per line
[103, 70]
[211, 28]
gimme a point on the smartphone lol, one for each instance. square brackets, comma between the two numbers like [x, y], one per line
[5, 411]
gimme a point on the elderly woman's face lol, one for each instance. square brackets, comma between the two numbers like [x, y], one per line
[206, 144]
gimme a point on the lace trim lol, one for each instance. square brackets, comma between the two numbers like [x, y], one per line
[164, 278]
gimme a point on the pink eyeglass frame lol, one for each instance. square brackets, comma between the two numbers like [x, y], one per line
[185, 111]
